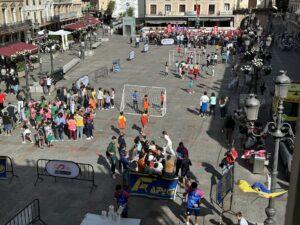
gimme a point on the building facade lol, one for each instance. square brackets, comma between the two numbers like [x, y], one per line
[67, 11]
[122, 6]
[293, 18]
[40, 12]
[191, 12]
[13, 25]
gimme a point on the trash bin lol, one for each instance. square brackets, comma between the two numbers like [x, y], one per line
[259, 165]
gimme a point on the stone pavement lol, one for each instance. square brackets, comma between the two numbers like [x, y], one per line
[66, 202]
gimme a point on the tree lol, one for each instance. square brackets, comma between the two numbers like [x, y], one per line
[111, 7]
[130, 11]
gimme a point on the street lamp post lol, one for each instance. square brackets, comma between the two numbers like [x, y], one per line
[27, 89]
[51, 60]
[40, 60]
[277, 128]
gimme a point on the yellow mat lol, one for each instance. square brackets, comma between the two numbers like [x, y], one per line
[246, 187]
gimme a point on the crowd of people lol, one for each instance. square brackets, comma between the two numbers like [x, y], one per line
[69, 114]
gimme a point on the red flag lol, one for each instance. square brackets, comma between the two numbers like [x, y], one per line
[197, 9]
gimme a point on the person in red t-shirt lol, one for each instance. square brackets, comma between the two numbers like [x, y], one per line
[2, 99]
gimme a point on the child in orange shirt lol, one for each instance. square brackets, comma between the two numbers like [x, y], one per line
[144, 120]
[122, 123]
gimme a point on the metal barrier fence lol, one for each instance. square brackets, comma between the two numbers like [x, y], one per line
[98, 74]
[30, 214]
[9, 168]
[65, 169]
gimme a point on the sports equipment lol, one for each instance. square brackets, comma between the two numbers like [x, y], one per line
[158, 106]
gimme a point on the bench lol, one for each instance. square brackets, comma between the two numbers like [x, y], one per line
[70, 65]
[96, 44]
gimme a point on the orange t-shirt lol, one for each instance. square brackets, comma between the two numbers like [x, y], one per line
[146, 104]
[144, 119]
[122, 122]
[92, 103]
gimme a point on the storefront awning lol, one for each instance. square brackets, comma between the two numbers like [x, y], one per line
[19, 47]
[165, 21]
[209, 18]
[87, 21]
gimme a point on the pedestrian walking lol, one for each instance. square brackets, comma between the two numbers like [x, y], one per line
[223, 106]
[228, 128]
[122, 197]
[49, 84]
[168, 145]
[111, 154]
[204, 100]
[190, 86]
[181, 152]
[212, 104]
[194, 197]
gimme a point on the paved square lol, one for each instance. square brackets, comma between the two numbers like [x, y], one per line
[66, 202]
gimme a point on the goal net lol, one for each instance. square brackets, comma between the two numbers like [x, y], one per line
[128, 105]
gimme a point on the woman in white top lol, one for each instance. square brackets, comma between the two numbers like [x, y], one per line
[100, 97]
[213, 103]
[204, 100]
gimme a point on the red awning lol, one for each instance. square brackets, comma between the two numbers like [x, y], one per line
[75, 26]
[12, 49]
[88, 21]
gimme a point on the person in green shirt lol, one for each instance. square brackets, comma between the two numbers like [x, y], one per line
[111, 154]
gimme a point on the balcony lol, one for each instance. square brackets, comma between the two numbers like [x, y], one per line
[15, 27]
[62, 2]
[65, 16]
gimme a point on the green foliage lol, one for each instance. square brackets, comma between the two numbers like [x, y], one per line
[111, 6]
[130, 11]
[20, 66]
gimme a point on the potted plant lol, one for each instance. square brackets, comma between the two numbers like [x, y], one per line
[246, 69]
[257, 63]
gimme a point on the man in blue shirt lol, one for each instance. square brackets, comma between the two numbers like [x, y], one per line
[135, 98]
[194, 196]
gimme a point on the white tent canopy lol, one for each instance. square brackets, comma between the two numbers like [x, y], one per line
[62, 33]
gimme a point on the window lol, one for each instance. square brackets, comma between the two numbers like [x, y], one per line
[211, 9]
[181, 8]
[33, 2]
[12, 15]
[4, 15]
[153, 9]
[226, 7]
[167, 8]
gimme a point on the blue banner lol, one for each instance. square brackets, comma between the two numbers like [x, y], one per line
[152, 186]
[3, 174]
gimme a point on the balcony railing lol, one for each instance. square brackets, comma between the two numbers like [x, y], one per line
[14, 27]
